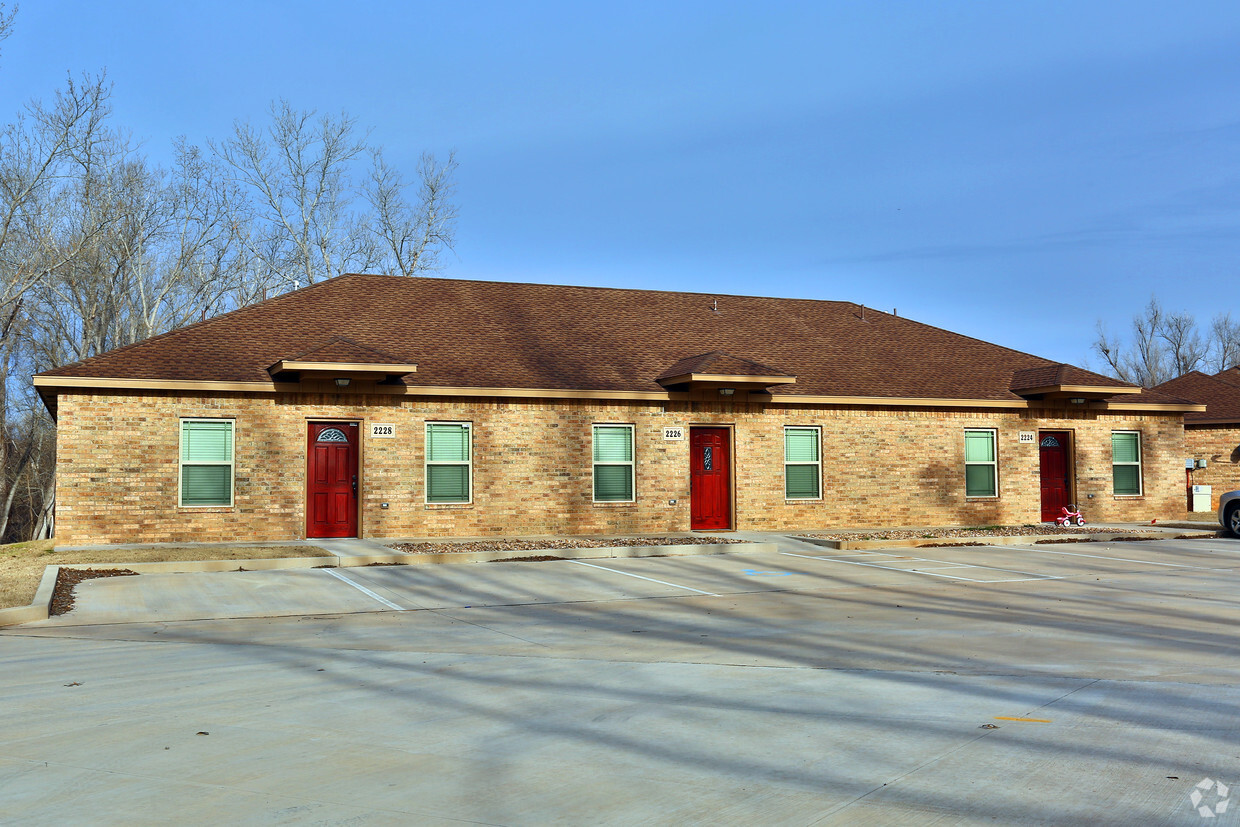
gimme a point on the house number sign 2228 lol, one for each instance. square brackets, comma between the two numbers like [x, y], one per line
[673, 433]
[382, 430]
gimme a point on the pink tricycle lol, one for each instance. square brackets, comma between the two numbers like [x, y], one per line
[1069, 515]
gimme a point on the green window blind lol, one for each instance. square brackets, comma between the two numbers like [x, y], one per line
[802, 464]
[613, 444]
[981, 472]
[979, 446]
[613, 463]
[1125, 447]
[801, 445]
[206, 463]
[979, 481]
[1126, 462]
[448, 443]
[448, 459]
[206, 441]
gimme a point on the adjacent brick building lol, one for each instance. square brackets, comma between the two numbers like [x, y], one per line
[1212, 436]
[403, 407]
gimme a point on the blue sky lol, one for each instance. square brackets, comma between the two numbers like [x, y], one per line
[1009, 171]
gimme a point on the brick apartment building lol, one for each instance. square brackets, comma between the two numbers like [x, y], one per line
[388, 407]
[1212, 436]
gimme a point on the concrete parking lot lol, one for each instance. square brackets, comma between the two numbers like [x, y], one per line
[1051, 684]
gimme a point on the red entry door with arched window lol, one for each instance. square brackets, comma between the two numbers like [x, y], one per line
[331, 480]
[1056, 473]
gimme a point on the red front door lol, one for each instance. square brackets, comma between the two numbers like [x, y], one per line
[1056, 473]
[331, 480]
[710, 479]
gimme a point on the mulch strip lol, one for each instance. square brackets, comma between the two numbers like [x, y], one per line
[538, 545]
[989, 531]
[533, 558]
[67, 580]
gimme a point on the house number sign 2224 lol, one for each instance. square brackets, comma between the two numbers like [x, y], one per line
[673, 433]
[382, 430]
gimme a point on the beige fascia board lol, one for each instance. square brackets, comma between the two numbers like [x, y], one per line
[337, 367]
[54, 383]
[727, 379]
[1232, 421]
[904, 401]
[94, 383]
[1160, 407]
[1105, 390]
[102, 383]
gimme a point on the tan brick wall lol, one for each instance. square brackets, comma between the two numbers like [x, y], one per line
[118, 466]
[1220, 447]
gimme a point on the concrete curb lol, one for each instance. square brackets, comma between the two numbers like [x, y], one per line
[40, 607]
[986, 540]
[588, 553]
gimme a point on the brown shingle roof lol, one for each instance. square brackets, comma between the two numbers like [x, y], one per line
[496, 334]
[719, 363]
[1231, 375]
[341, 349]
[1222, 399]
[1061, 374]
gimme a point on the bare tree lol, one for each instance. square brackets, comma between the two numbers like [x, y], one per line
[414, 233]
[312, 219]
[298, 172]
[99, 248]
[6, 22]
[1186, 349]
[1224, 343]
[1166, 345]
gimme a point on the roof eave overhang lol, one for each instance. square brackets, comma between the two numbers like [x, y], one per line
[726, 379]
[331, 370]
[49, 386]
[1077, 391]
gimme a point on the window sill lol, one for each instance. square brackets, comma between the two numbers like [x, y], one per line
[446, 506]
[1128, 496]
[799, 500]
[982, 499]
[206, 509]
[627, 504]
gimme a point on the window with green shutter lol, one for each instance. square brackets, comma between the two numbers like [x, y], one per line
[206, 462]
[613, 463]
[449, 462]
[981, 467]
[1126, 462]
[802, 464]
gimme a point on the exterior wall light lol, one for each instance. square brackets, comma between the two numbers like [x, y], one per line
[727, 391]
[342, 382]
[1076, 400]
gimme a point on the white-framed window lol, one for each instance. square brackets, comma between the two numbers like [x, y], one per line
[613, 463]
[1126, 463]
[206, 463]
[449, 462]
[981, 466]
[802, 463]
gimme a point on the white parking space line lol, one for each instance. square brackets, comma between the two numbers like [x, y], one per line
[363, 589]
[1105, 557]
[876, 566]
[933, 571]
[640, 577]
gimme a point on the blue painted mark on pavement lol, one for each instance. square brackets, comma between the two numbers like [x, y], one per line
[756, 573]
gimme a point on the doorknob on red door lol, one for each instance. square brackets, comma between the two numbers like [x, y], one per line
[355, 483]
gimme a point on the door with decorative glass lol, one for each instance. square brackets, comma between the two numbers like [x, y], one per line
[331, 480]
